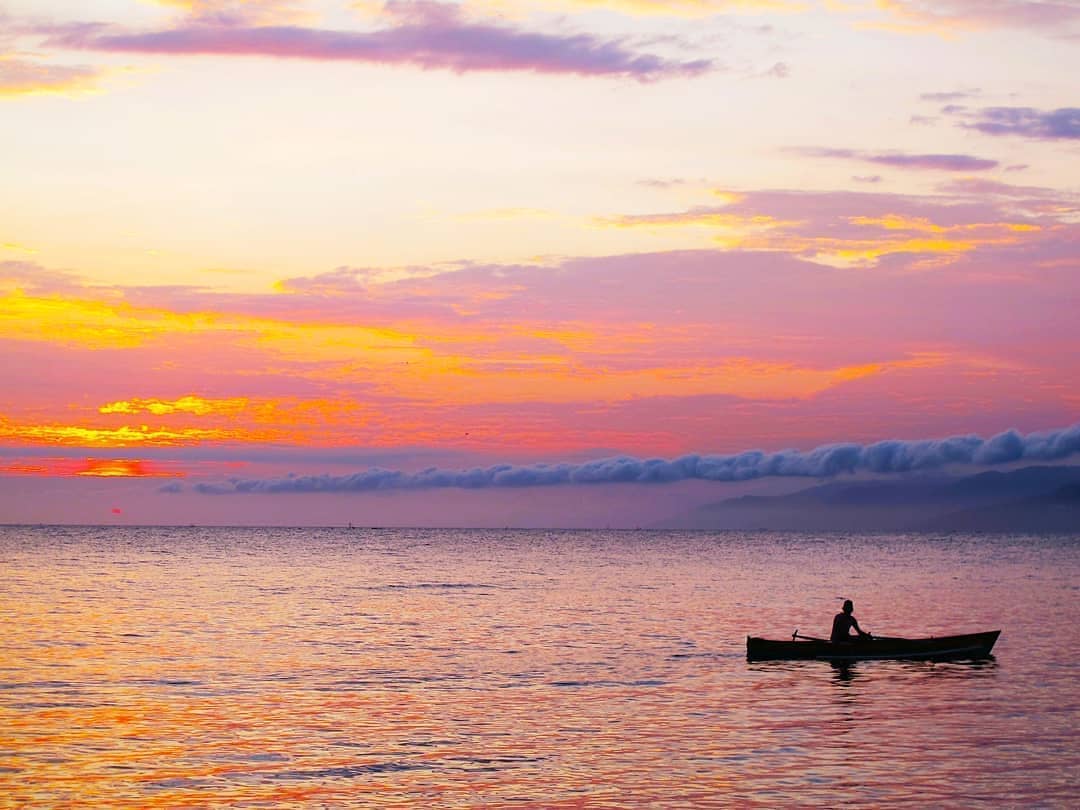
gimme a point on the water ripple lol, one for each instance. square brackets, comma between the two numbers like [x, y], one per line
[333, 668]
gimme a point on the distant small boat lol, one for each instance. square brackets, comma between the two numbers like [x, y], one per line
[941, 648]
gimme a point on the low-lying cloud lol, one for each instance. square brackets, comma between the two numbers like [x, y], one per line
[827, 461]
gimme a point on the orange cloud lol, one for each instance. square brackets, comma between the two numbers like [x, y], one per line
[197, 421]
[89, 322]
[189, 404]
[558, 380]
[126, 436]
[93, 467]
[104, 321]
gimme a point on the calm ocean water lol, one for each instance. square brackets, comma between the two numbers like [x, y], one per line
[158, 667]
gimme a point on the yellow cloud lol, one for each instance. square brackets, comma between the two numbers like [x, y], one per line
[765, 232]
[189, 404]
[25, 77]
[98, 324]
[698, 218]
[856, 252]
[17, 248]
[94, 324]
[896, 222]
[126, 436]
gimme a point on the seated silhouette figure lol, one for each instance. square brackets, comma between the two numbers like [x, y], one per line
[843, 623]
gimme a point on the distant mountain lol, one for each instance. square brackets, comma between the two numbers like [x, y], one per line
[1037, 499]
[1058, 511]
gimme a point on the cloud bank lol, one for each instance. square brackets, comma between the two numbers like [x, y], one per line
[891, 456]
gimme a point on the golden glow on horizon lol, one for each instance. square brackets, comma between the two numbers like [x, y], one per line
[534, 379]
[93, 468]
[434, 365]
[766, 233]
[189, 404]
[124, 436]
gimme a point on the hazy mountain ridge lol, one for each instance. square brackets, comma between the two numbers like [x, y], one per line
[1038, 498]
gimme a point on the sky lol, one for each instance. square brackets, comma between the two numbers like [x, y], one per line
[527, 262]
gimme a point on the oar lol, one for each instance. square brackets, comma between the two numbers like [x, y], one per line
[796, 635]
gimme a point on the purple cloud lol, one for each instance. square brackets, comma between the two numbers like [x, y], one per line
[950, 14]
[948, 163]
[1060, 124]
[900, 160]
[423, 34]
[884, 457]
[949, 96]
[977, 187]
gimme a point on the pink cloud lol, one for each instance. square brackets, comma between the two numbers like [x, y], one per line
[624, 339]
[1010, 238]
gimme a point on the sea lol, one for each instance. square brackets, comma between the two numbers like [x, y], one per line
[145, 667]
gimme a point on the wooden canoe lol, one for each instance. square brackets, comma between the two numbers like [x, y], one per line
[940, 648]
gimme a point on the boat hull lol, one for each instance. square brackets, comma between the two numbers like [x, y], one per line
[941, 648]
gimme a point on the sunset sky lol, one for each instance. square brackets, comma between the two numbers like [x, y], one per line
[426, 253]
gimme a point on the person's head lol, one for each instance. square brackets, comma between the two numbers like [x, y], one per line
[848, 606]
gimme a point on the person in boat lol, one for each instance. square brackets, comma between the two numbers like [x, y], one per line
[843, 623]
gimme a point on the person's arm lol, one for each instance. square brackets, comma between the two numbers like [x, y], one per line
[859, 630]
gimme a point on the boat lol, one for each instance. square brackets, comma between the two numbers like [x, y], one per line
[939, 648]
